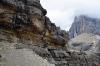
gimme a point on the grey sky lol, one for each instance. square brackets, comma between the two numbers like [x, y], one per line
[62, 12]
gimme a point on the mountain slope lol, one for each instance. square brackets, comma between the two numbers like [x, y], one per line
[85, 42]
[28, 38]
[84, 24]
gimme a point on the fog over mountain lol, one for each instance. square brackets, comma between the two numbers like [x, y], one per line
[63, 12]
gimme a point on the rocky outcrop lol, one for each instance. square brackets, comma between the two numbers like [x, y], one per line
[28, 38]
[84, 24]
[23, 27]
[85, 36]
[15, 52]
[85, 42]
[26, 19]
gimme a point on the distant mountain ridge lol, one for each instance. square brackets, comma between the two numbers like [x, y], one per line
[84, 24]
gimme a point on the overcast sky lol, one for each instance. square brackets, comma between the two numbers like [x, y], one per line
[62, 12]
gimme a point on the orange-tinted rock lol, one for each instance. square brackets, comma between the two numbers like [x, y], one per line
[27, 20]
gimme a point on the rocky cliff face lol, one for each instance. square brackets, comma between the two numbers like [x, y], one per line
[26, 19]
[28, 38]
[84, 24]
[85, 35]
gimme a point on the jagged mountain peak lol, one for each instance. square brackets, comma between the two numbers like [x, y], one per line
[84, 24]
[28, 38]
[86, 17]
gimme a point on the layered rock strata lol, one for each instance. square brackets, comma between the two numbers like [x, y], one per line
[28, 38]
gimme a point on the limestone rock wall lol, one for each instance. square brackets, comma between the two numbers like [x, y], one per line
[84, 24]
[26, 19]
[14, 52]
[28, 38]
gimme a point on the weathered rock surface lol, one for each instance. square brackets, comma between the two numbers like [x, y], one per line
[22, 53]
[85, 36]
[23, 24]
[85, 42]
[26, 19]
[28, 38]
[84, 24]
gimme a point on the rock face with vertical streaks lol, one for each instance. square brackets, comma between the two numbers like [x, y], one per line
[84, 24]
[28, 38]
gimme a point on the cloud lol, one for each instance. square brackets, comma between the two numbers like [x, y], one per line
[62, 12]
